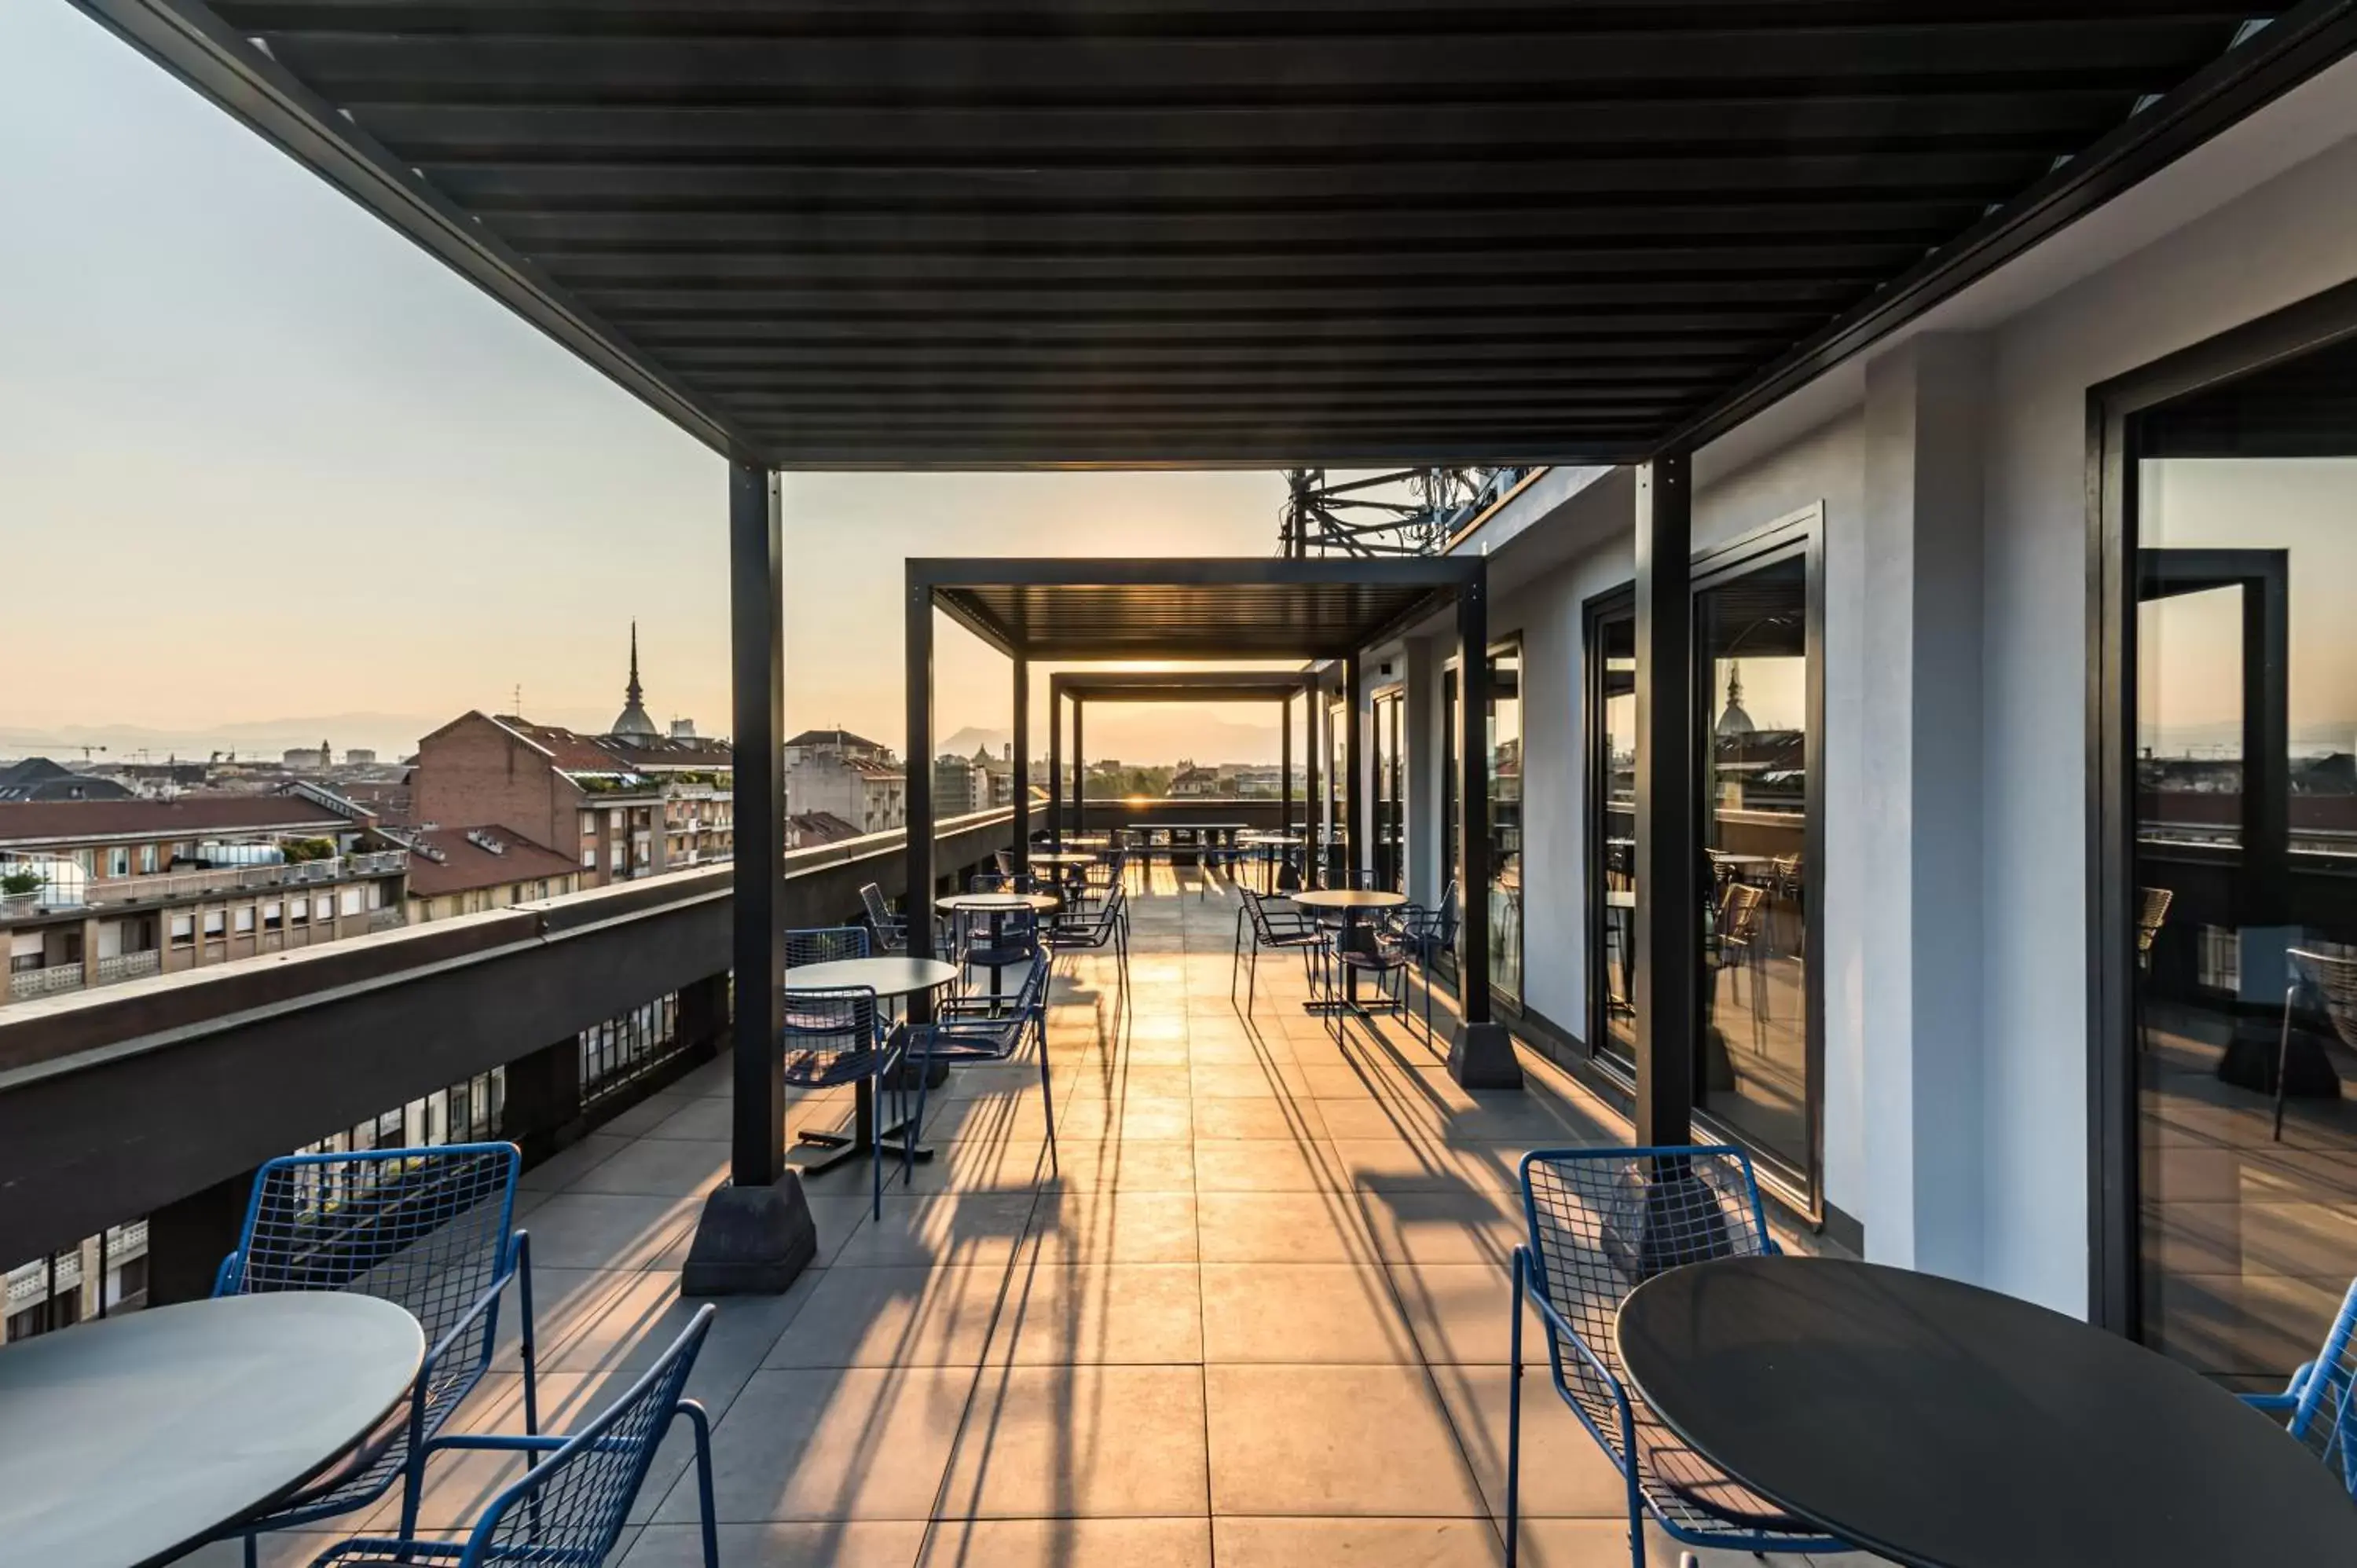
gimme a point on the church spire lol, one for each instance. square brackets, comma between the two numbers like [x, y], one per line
[632, 692]
[632, 722]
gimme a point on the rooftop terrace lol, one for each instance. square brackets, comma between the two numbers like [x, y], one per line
[1259, 1316]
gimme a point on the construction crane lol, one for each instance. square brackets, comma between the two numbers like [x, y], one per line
[1408, 512]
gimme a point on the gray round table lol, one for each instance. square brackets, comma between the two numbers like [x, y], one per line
[1350, 903]
[888, 976]
[127, 1440]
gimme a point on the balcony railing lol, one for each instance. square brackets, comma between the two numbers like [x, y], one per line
[129, 966]
[95, 1088]
[52, 981]
[163, 887]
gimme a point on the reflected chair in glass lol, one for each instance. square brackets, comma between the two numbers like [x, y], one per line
[890, 930]
[989, 1028]
[430, 1229]
[571, 1506]
[1601, 1222]
[1734, 944]
[2152, 910]
[2330, 984]
[2315, 1405]
[1261, 927]
[1424, 935]
[832, 1038]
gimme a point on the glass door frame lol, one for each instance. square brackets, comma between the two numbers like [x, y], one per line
[1614, 604]
[2115, 410]
[1388, 706]
[1800, 534]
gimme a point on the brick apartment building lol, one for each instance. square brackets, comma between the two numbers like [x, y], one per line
[463, 870]
[111, 891]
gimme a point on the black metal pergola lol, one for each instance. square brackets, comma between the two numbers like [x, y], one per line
[1226, 608]
[1081, 688]
[1350, 233]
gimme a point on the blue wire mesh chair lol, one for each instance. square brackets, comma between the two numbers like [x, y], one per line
[430, 1230]
[990, 1029]
[1106, 925]
[571, 1508]
[1258, 927]
[1424, 935]
[996, 939]
[892, 932]
[826, 944]
[1603, 1221]
[831, 1037]
[2316, 1406]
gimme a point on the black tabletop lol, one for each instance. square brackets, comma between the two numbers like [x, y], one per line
[1948, 1426]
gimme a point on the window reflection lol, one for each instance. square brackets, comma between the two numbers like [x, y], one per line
[1505, 733]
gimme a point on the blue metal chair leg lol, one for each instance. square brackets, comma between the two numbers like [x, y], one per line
[1514, 1421]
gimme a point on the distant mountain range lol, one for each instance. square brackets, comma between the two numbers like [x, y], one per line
[1141, 734]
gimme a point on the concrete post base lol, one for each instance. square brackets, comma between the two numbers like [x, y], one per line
[752, 1241]
[1483, 1057]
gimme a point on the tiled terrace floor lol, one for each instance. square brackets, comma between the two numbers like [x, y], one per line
[1258, 1318]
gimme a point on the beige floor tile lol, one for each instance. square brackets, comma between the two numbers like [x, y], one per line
[1265, 1165]
[1466, 1226]
[1564, 1473]
[1241, 1080]
[893, 1318]
[948, 1230]
[663, 1167]
[1113, 1228]
[1143, 1314]
[1294, 1120]
[1460, 1315]
[833, 1544]
[1080, 1441]
[1123, 1165]
[842, 1444]
[1424, 1164]
[1357, 1542]
[1330, 1441]
[1302, 1313]
[1069, 1543]
[1282, 1228]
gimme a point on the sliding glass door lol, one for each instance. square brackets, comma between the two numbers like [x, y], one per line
[1391, 792]
[1757, 727]
[1505, 740]
[1612, 794]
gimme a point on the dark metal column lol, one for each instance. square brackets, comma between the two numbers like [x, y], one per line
[1285, 766]
[1080, 769]
[1056, 763]
[1355, 792]
[917, 903]
[756, 1234]
[1483, 1054]
[1022, 759]
[1668, 892]
[1313, 801]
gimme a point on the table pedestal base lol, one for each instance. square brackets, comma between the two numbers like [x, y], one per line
[752, 1241]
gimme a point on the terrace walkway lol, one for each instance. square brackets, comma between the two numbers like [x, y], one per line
[1259, 1319]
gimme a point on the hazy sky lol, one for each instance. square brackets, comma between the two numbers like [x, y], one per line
[261, 458]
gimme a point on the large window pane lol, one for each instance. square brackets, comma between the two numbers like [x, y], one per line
[1391, 788]
[1505, 732]
[1753, 753]
[2245, 870]
[1613, 851]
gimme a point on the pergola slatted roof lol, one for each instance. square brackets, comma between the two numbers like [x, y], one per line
[838, 232]
[1181, 685]
[1208, 607]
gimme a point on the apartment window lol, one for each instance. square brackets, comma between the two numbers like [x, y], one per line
[1612, 795]
[350, 898]
[323, 908]
[118, 861]
[184, 930]
[1505, 742]
[588, 857]
[146, 859]
[1757, 734]
[274, 916]
[298, 912]
[244, 923]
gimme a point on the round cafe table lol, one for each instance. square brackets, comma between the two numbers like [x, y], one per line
[1946, 1426]
[889, 977]
[1350, 903]
[130, 1438]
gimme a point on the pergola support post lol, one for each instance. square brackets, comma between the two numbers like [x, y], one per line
[1668, 892]
[1284, 767]
[1021, 760]
[1055, 763]
[1080, 769]
[1313, 800]
[918, 905]
[1481, 1055]
[1354, 769]
[756, 1234]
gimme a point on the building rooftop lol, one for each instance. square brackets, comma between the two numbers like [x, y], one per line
[841, 738]
[35, 824]
[461, 860]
